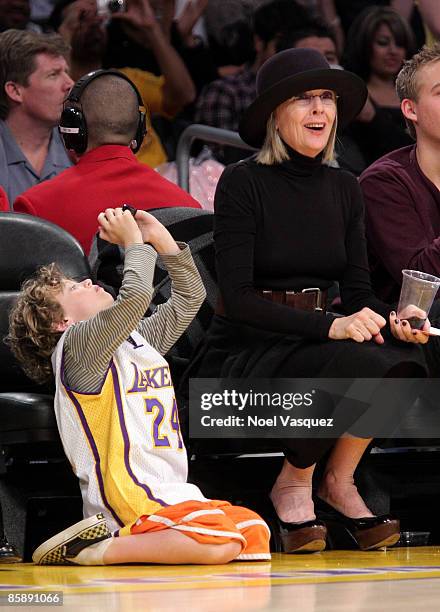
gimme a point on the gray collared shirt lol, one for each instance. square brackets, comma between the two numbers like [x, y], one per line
[17, 174]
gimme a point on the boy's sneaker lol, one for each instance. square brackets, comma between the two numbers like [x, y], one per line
[62, 548]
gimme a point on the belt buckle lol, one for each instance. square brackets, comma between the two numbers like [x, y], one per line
[318, 292]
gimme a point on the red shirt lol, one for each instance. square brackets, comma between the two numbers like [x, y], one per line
[4, 203]
[105, 177]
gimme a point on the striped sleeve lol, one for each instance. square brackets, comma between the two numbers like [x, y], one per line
[163, 328]
[90, 345]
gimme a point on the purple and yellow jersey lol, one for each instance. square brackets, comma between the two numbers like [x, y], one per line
[124, 442]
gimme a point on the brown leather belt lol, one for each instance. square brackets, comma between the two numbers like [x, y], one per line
[312, 299]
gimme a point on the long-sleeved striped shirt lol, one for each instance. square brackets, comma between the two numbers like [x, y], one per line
[89, 345]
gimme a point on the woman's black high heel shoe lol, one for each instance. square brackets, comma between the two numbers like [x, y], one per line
[368, 533]
[309, 536]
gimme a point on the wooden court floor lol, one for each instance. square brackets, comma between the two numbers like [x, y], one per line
[334, 581]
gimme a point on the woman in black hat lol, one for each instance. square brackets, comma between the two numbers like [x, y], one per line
[287, 226]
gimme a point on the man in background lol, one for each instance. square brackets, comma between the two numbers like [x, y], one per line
[164, 94]
[107, 173]
[34, 82]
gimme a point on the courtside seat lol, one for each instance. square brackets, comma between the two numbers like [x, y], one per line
[27, 418]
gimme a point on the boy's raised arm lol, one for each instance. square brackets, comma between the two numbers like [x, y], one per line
[90, 344]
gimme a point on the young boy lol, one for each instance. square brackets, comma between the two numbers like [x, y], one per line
[117, 413]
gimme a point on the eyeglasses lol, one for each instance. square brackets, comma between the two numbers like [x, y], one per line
[328, 98]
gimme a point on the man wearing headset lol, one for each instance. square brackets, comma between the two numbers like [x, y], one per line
[102, 127]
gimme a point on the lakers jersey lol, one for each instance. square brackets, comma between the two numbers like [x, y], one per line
[124, 442]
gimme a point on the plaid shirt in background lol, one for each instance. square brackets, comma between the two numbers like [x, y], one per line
[221, 104]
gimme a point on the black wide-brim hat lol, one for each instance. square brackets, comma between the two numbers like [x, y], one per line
[291, 72]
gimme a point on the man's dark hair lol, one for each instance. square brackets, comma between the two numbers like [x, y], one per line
[289, 39]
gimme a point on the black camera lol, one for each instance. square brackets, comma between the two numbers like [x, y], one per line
[132, 209]
[116, 6]
[111, 6]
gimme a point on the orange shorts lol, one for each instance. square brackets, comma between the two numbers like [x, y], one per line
[211, 522]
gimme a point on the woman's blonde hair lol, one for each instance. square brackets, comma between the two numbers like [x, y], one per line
[32, 336]
[274, 150]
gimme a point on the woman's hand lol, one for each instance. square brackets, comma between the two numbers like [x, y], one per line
[119, 227]
[401, 328]
[155, 233]
[360, 326]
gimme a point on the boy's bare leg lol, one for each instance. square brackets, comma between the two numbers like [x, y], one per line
[168, 546]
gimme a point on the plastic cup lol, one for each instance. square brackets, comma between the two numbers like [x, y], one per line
[416, 296]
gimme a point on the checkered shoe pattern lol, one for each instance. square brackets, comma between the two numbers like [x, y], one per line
[66, 545]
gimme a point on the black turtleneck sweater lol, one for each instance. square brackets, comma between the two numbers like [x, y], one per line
[289, 226]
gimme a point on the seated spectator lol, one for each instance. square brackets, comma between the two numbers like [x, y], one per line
[286, 227]
[222, 102]
[16, 14]
[34, 82]
[107, 172]
[401, 190]
[167, 94]
[378, 43]
[141, 497]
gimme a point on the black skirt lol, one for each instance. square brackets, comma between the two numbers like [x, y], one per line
[236, 350]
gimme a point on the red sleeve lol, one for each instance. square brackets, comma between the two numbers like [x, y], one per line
[4, 202]
[23, 205]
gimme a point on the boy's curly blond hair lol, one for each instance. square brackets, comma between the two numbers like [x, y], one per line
[32, 336]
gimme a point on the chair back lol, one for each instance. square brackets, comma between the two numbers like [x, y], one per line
[26, 243]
